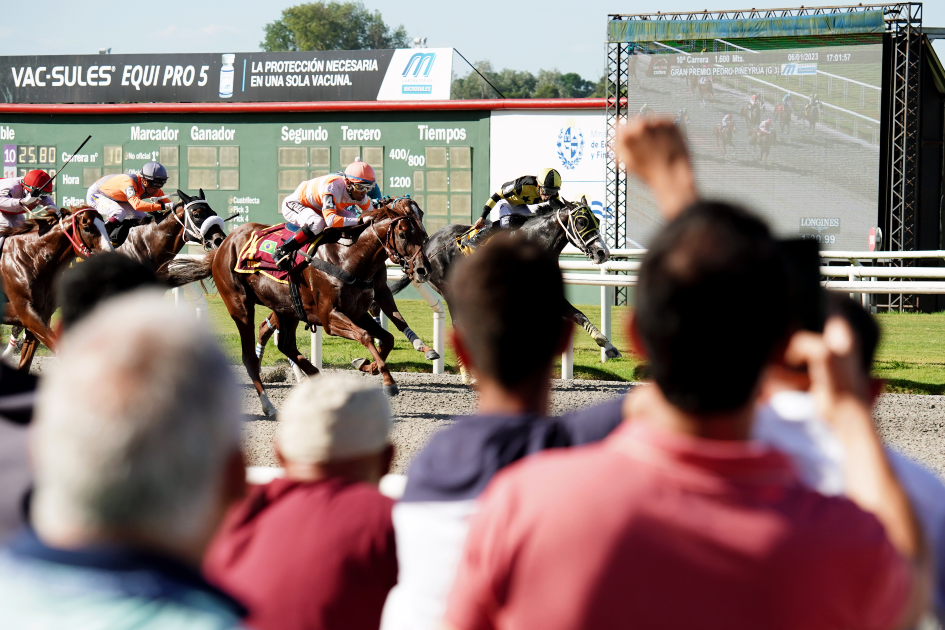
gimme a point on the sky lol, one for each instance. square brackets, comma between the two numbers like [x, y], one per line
[522, 35]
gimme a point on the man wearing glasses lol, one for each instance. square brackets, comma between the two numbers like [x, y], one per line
[328, 201]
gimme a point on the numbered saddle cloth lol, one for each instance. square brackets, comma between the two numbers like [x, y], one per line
[257, 255]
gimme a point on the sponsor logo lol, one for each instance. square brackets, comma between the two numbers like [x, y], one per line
[426, 88]
[421, 59]
[830, 225]
[659, 68]
[570, 147]
[798, 69]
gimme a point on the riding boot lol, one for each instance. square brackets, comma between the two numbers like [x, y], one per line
[118, 230]
[285, 253]
[484, 235]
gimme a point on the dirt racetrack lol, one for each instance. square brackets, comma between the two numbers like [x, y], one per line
[914, 425]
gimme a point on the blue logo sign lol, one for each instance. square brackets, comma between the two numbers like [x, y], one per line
[570, 147]
[413, 88]
[421, 59]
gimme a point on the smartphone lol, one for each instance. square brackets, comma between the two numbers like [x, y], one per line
[808, 296]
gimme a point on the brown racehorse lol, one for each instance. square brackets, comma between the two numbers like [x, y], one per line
[392, 231]
[32, 254]
[161, 237]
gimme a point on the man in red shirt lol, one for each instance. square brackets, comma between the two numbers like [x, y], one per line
[316, 548]
[678, 520]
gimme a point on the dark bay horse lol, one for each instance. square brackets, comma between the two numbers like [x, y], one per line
[725, 137]
[339, 307]
[155, 243]
[552, 229]
[782, 115]
[32, 255]
[764, 142]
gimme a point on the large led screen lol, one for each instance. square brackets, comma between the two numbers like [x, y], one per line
[793, 134]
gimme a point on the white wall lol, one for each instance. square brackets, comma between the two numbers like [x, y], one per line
[524, 142]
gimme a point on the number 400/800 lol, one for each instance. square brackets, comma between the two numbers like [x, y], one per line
[399, 182]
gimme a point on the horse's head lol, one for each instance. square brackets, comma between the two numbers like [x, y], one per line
[201, 223]
[405, 236]
[583, 230]
[88, 235]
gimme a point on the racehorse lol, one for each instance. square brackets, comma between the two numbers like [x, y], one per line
[725, 137]
[551, 229]
[383, 302]
[159, 238]
[32, 255]
[340, 306]
[706, 90]
[812, 115]
[764, 142]
[782, 115]
[752, 115]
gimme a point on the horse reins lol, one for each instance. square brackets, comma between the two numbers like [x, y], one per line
[80, 248]
[406, 264]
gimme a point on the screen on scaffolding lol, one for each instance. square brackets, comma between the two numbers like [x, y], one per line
[793, 133]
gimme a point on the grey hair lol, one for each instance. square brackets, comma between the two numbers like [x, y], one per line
[134, 425]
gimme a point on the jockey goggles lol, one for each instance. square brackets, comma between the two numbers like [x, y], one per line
[548, 190]
[360, 185]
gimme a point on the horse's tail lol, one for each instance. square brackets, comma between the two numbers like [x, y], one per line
[398, 285]
[181, 271]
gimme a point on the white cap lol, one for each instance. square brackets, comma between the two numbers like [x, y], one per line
[229, 58]
[332, 418]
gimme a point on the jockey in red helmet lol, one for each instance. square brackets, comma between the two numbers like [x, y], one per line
[21, 194]
[329, 201]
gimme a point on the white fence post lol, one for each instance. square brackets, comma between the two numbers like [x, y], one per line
[606, 299]
[317, 347]
[439, 324]
[567, 361]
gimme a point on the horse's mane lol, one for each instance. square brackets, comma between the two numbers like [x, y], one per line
[387, 211]
[41, 225]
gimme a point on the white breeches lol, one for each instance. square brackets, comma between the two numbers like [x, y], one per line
[305, 216]
[12, 220]
[109, 208]
[503, 209]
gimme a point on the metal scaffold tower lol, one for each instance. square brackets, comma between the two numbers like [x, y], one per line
[903, 26]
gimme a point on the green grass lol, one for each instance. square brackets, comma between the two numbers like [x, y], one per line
[911, 356]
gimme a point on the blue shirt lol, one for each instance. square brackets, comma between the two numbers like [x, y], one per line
[106, 588]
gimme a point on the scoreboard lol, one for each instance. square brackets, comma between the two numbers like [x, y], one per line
[248, 163]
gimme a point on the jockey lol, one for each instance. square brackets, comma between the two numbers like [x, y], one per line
[682, 117]
[812, 102]
[514, 198]
[327, 201]
[756, 100]
[787, 101]
[765, 126]
[727, 121]
[20, 194]
[645, 111]
[120, 199]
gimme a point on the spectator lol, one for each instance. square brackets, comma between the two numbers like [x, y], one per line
[136, 455]
[789, 422]
[316, 549]
[499, 284]
[677, 520]
[82, 287]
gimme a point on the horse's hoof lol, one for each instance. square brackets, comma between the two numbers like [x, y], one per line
[431, 355]
[391, 390]
[268, 408]
[611, 352]
[357, 363]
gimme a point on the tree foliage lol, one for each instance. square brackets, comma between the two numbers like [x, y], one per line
[523, 84]
[331, 26]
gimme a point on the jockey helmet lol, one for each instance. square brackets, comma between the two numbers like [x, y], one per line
[37, 181]
[154, 174]
[360, 175]
[549, 178]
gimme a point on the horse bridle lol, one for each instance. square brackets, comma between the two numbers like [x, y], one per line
[194, 233]
[579, 238]
[80, 248]
[390, 246]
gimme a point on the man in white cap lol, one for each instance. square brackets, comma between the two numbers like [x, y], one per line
[315, 549]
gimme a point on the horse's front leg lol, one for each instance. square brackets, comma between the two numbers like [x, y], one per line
[341, 325]
[385, 300]
[288, 345]
[581, 319]
[266, 329]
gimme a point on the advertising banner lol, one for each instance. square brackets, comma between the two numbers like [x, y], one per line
[345, 75]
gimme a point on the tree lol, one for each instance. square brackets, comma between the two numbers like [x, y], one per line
[521, 84]
[331, 26]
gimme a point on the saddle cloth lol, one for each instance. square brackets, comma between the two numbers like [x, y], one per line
[257, 255]
[462, 242]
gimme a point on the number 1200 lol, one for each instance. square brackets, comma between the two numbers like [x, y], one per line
[399, 182]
